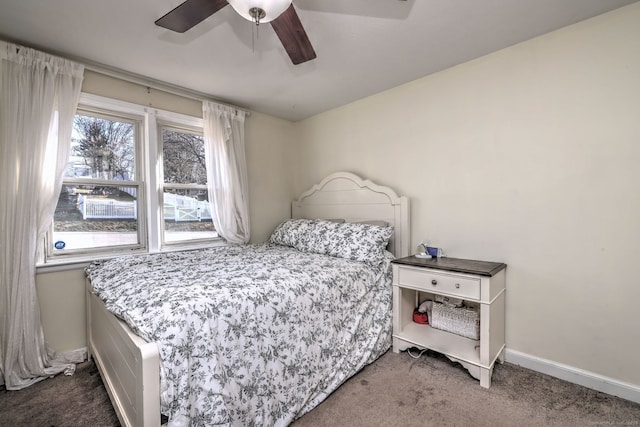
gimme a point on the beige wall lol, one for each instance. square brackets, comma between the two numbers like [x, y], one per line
[270, 149]
[269, 152]
[62, 309]
[527, 156]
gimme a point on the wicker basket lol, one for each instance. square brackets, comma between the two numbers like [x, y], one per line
[461, 321]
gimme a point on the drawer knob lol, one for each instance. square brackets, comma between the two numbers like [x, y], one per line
[457, 285]
[434, 282]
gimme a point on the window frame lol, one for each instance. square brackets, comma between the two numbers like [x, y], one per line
[186, 126]
[133, 117]
[149, 178]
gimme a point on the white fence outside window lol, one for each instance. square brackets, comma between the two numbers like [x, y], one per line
[176, 208]
[106, 209]
[183, 208]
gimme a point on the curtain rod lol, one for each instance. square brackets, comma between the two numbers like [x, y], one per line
[129, 76]
[153, 83]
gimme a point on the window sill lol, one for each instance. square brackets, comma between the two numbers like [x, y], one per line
[77, 263]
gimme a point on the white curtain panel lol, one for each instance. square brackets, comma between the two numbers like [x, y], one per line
[38, 100]
[227, 170]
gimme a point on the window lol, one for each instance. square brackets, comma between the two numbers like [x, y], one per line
[136, 181]
[99, 202]
[186, 211]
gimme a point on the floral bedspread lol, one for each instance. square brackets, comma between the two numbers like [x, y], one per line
[253, 335]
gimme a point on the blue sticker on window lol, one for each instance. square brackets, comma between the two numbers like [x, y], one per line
[59, 244]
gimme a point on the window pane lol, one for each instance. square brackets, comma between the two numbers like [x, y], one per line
[102, 148]
[183, 155]
[187, 215]
[95, 216]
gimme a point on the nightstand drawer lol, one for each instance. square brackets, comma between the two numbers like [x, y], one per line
[450, 284]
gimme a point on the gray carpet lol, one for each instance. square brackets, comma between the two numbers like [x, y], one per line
[396, 390]
[78, 400]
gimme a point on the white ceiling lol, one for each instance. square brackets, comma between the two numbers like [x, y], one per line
[363, 46]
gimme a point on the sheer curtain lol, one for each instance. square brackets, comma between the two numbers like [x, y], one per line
[38, 99]
[226, 170]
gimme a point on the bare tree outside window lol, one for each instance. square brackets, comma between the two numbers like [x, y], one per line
[103, 148]
[184, 161]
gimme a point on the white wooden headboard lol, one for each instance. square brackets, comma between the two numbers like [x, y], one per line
[347, 196]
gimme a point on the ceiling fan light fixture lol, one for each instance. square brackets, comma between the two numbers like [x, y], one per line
[260, 11]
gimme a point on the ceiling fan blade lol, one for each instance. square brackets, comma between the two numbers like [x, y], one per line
[189, 14]
[294, 38]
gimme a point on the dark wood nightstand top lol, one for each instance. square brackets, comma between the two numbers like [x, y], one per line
[469, 266]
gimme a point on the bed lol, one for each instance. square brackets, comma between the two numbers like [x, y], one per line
[268, 331]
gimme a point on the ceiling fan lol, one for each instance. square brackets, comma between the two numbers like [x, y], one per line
[280, 13]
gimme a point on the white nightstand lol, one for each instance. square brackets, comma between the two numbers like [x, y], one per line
[479, 282]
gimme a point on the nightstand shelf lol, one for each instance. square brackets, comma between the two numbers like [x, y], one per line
[466, 349]
[479, 283]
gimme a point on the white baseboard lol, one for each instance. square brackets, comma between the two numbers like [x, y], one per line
[574, 375]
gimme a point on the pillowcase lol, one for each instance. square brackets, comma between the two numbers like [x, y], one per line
[379, 223]
[291, 232]
[358, 242]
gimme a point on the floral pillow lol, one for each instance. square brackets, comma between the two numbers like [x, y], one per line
[358, 242]
[291, 232]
